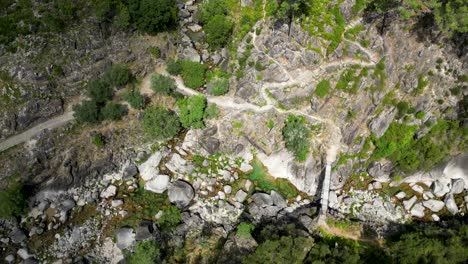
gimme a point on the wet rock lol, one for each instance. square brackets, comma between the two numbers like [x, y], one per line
[434, 205]
[241, 196]
[125, 237]
[417, 210]
[450, 204]
[158, 184]
[181, 193]
[458, 185]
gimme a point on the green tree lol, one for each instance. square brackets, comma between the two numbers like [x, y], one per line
[193, 74]
[155, 16]
[135, 99]
[162, 84]
[192, 111]
[218, 31]
[160, 123]
[86, 112]
[99, 91]
[118, 75]
[296, 135]
[146, 252]
[122, 19]
[113, 111]
[102, 9]
[210, 9]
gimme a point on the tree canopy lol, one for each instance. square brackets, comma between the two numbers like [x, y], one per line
[160, 123]
[192, 110]
[296, 135]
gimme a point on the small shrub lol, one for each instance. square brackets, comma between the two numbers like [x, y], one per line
[86, 112]
[259, 66]
[270, 124]
[98, 140]
[162, 84]
[13, 201]
[211, 112]
[420, 115]
[193, 74]
[218, 31]
[244, 230]
[403, 108]
[135, 99]
[192, 110]
[155, 51]
[99, 91]
[146, 252]
[170, 219]
[322, 88]
[219, 86]
[113, 111]
[118, 75]
[160, 123]
[174, 67]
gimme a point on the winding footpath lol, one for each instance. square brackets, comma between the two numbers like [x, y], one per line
[28, 134]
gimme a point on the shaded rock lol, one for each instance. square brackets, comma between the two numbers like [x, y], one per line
[380, 124]
[417, 210]
[439, 189]
[125, 237]
[9, 259]
[262, 199]
[380, 172]
[130, 172]
[144, 231]
[409, 203]
[434, 205]
[189, 53]
[158, 184]
[241, 196]
[210, 144]
[181, 193]
[23, 253]
[17, 236]
[450, 204]
[235, 248]
[278, 200]
[458, 185]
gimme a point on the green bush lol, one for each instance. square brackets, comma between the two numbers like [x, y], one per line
[170, 218]
[287, 249]
[86, 112]
[155, 51]
[122, 18]
[118, 75]
[192, 110]
[211, 112]
[296, 135]
[322, 88]
[403, 108]
[396, 137]
[146, 252]
[209, 9]
[13, 201]
[162, 84]
[99, 91]
[135, 99]
[420, 115]
[218, 31]
[193, 74]
[244, 230]
[154, 16]
[160, 123]
[174, 67]
[219, 86]
[98, 140]
[113, 111]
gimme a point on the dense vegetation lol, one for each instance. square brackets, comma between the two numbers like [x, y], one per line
[135, 99]
[160, 123]
[296, 134]
[193, 74]
[100, 91]
[146, 252]
[409, 153]
[13, 201]
[162, 84]
[212, 15]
